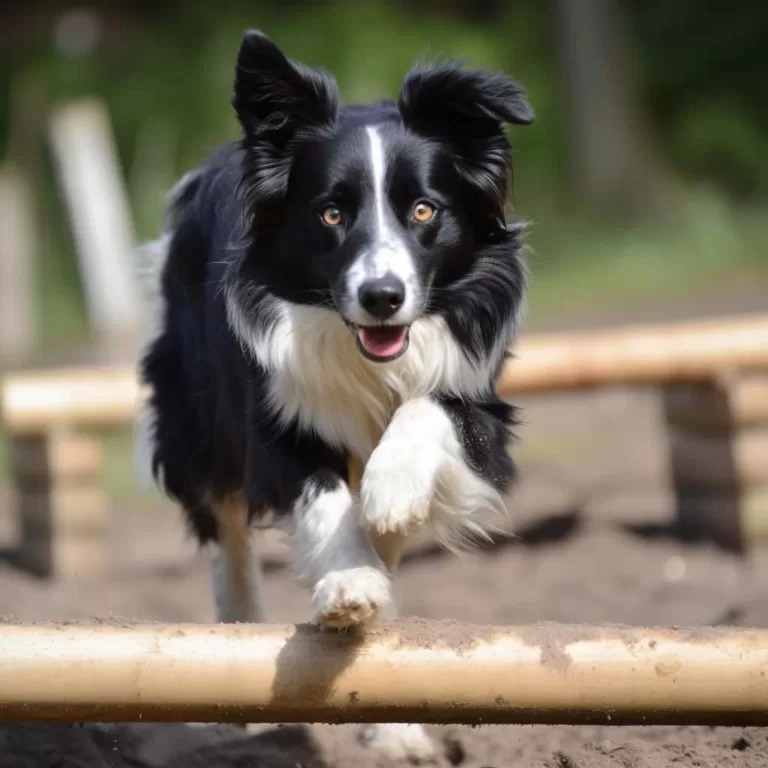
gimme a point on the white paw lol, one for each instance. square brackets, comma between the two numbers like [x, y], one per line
[354, 597]
[396, 491]
[400, 741]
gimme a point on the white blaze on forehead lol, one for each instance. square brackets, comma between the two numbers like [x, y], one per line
[387, 254]
[378, 167]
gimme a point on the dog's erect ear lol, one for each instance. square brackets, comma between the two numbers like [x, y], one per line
[467, 110]
[276, 98]
[475, 102]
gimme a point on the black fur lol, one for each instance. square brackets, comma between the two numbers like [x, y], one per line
[483, 429]
[246, 225]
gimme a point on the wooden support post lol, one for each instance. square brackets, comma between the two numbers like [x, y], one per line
[718, 441]
[37, 404]
[92, 186]
[18, 252]
[61, 504]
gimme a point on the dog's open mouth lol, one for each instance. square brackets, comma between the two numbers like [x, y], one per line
[382, 343]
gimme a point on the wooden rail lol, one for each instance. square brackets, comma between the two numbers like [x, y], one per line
[651, 354]
[655, 354]
[713, 375]
[410, 671]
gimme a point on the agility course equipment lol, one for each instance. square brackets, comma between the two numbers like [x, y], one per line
[649, 354]
[103, 397]
[713, 377]
[409, 671]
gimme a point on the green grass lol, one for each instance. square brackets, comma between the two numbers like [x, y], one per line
[585, 267]
[120, 476]
[579, 265]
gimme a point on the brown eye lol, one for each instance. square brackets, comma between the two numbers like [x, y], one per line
[332, 216]
[423, 212]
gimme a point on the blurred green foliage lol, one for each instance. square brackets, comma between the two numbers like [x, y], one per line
[704, 75]
[168, 92]
[166, 75]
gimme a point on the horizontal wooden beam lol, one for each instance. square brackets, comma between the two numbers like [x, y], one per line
[101, 397]
[39, 401]
[652, 354]
[410, 671]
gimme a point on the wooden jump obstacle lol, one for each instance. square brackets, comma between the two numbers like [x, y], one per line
[409, 671]
[713, 375]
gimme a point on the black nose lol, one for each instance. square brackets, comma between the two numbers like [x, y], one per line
[383, 296]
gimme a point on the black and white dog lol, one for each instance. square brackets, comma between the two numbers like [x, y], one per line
[341, 284]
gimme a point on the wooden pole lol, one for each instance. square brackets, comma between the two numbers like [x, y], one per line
[19, 332]
[649, 355]
[37, 401]
[654, 354]
[411, 671]
[93, 189]
[20, 186]
[37, 404]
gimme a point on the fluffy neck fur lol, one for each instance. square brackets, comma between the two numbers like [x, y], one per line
[319, 379]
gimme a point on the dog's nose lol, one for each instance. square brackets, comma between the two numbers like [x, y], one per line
[383, 296]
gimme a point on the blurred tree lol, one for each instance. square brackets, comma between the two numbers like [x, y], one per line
[705, 80]
[477, 10]
[697, 79]
[614, 163]
[689, 102]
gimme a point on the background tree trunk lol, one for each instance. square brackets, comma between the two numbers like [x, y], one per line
[614, 164]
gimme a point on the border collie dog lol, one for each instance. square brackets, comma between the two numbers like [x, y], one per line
[339, 286]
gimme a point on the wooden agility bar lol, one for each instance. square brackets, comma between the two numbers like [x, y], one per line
[50, 417]
[652, 354]
[410, 671]
[37, 402]
[656, 354]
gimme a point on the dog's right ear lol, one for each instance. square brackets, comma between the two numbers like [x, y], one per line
[275, 98]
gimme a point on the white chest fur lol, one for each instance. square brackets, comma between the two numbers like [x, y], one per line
[319, 378]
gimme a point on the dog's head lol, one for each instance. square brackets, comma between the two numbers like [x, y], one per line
[373, 211]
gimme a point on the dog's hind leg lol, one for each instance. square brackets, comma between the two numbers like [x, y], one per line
[236, 570]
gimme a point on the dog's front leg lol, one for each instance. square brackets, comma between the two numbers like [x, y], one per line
[400, 479]
[351, 586]
[440, 460]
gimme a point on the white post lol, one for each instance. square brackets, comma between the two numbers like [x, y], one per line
[18, 317]
[92, 186]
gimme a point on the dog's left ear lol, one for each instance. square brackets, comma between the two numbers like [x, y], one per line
[466, 111]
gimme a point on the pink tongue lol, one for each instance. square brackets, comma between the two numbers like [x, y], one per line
[384, 341]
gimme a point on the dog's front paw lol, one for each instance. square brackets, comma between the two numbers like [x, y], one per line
[396, 491]
[401, 742]
[352, 598]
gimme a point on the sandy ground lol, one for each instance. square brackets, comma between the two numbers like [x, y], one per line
[594, 469]
[588, 572]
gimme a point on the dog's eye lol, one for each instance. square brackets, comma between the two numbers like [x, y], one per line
[331, 216]
[423, 212]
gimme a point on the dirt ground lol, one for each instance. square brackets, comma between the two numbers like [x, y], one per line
[594, 479]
